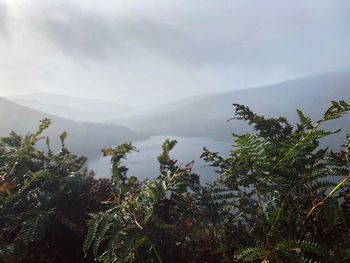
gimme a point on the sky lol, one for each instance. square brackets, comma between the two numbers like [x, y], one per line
[146, 53]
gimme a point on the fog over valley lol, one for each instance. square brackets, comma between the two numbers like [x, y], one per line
[141, 72]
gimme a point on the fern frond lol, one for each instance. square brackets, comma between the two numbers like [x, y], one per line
[104, 225]
[299, 246]
[34, 228]
[306, 121]
[251, 254]
[7, 250]
[303, 259]
[320, 185]
[93, 227]
[126, 252]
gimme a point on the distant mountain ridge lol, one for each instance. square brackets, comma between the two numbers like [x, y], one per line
[207, 116]
[75, 108]
[84, 138]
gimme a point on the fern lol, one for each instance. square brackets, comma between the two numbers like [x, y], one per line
[7, 251]
[251, 254]
[127, 251]
[34, 228]
[104, 226]
[92, 232]
[299, 246]
[294, 250]
[274, 200]
[306, 121]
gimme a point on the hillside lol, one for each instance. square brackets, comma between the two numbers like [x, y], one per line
[78, 109]
[83, 137]
[207, 117]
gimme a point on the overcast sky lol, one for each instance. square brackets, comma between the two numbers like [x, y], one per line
[146, 52]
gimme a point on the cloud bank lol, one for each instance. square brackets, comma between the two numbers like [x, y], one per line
[145, 53]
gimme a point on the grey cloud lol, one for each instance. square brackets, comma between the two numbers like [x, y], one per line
[81, 34]
[264, 36]
[94, 36]
[3, 19]
[170, 49]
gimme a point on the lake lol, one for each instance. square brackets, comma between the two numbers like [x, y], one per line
[144, 164]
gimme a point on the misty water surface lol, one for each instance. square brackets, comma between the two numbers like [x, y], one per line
[143, 164]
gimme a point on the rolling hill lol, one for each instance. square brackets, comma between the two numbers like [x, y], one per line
[84, 138]
[207, 117]
[78, 109]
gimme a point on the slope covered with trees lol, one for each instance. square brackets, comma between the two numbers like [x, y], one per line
[273, 201]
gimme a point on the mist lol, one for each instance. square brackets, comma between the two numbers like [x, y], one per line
[145, 54]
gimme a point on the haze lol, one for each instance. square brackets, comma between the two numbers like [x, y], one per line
[146, 53]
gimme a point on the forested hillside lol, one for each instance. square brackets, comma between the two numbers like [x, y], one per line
[273, 200]
[84, 138]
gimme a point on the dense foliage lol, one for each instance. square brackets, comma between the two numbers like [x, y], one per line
[44, 201]
[279, 197]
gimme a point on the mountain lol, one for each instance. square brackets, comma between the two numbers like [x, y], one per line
[207, 117]
[78, 109]
[84, 138]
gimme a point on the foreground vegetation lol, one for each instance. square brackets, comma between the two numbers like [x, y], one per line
[279, 197]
